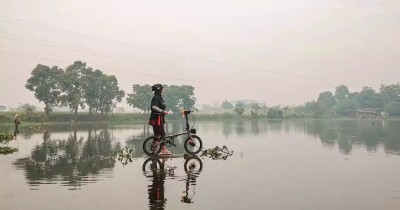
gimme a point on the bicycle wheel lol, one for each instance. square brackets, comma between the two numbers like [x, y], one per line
[193, 164]
[152, 165]
[152, 146]
[193, 145]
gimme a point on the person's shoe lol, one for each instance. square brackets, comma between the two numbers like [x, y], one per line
[165, 151]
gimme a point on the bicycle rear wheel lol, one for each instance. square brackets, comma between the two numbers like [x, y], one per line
[193, 145]
[152, 146]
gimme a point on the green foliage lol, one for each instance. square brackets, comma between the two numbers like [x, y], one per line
[390, 93]
[341, 92]
[275, 112]
[141, 97]
[177, 97]
[326, 101]
[125, 156]
[227, 105]
[75, 87]
[72, 84]
[44, 81]
[347, 107]
[217, 153]
[5, 138]
[239, 108]
[393, 108]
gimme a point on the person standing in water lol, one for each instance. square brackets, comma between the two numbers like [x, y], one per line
[17, 121]
[157, 115]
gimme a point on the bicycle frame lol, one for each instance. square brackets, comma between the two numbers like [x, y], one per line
[169, 139]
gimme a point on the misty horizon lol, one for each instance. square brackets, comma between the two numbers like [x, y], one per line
[270, 52]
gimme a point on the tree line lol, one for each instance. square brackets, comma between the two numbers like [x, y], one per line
[79, 86]
[345, 103]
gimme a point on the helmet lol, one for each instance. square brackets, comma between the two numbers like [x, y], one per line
[156, 87]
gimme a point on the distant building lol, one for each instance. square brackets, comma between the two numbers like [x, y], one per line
[369, 113]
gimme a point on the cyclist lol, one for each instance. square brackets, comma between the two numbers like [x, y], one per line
[157, 115]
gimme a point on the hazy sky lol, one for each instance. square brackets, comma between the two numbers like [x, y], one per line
[276, 52]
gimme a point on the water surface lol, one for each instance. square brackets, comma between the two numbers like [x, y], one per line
[297, 164]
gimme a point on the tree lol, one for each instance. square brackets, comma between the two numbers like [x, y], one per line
[255, 109]
[347, 107]
[390, 92]
[93, 84]
[368, 98]
[177, 97]
[2, 108]
[326, 100]
[44, 81]
[227, 105]
[275, 112]
[108, 94]
[73, 84]
[341, 92]
[140, 98]
[239, 108]
[393, 108]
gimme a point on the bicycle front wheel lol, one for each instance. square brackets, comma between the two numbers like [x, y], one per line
[193, 145]
[152, 146]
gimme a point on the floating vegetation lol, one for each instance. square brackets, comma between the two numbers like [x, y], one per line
[5, 138]
[125, 156]
[217, 153]
[7, 150]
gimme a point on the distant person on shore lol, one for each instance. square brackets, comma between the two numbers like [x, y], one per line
[157, 115]
[17, 121]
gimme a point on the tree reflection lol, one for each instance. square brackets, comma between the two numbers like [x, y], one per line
[71, 161]
[346, 133]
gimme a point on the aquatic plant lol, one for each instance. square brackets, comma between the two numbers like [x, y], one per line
[125, 156]
[217, 153]
[5, 138]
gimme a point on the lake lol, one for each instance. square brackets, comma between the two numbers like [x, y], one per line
[275, 164]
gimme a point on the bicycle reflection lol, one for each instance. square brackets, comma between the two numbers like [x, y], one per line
[157, 170]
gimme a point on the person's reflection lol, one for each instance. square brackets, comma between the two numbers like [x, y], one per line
[156, 189]
[156, 170]
[193, 166]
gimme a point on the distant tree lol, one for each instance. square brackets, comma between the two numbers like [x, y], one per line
[255, 109]
[275, 112]
[326, 101]
[44, 81]
[390, 93]
[368, 98]
[227, 105]
[393, 108]
[177, 97]
[27, 108]
[140, 98]
[341, 92]
[2, 108]
[347, 107]
[239, 108]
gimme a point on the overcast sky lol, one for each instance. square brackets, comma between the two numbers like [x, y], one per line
[274, 52]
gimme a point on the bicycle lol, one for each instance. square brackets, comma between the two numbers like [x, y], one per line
[152, 145]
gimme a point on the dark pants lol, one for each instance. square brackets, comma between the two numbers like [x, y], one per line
[16, 131]
[159, 130]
